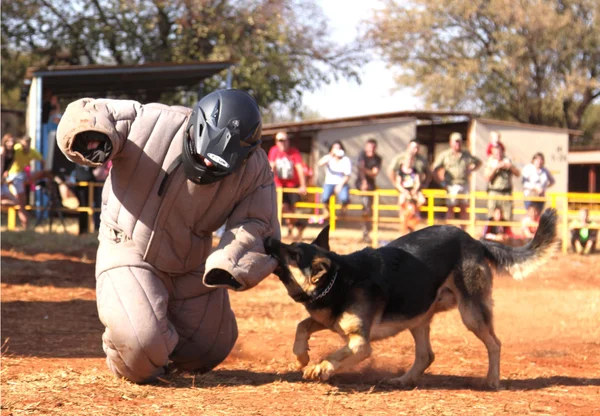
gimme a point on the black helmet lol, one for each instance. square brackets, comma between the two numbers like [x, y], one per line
[224, 128]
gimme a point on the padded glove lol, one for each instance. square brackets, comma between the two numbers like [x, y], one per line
[97, 154]
[220, 277]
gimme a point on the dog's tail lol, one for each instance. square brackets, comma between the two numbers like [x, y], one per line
[521, 261]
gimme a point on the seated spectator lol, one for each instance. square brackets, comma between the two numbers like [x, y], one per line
[338, 170]
[500, 233]
[529, 224]
[583, 238]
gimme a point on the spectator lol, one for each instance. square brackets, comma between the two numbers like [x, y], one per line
[530, 222]
[495, 140]
[457, 165]
[369, 164]
[584, 235]
[7, 154]
[500, 233]
[409, 217]
[421, 164]
[338, 170]
[536, 180]
[288, 168]
[499, 171]
[19, 174]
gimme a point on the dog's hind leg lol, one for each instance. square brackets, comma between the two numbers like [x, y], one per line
[477, 317]
[303, 332]
[424, 356]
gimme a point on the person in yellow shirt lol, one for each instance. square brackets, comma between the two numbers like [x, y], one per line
[19, 173]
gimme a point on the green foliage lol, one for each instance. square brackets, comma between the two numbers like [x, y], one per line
[280, 47]
[534, 61]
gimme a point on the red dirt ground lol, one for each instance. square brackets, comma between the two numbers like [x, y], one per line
[52, 359]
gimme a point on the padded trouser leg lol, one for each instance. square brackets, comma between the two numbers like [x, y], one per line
[138, 339]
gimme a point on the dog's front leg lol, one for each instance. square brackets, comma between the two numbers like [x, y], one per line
[357, 349]
[304, 330]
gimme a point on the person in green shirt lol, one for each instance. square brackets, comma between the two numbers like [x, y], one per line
[421, 164]
[457, 165]
[583, 233]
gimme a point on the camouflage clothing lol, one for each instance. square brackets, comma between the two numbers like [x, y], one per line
[456, 166]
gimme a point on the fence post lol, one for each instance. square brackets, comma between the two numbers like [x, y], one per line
[430, 210]
[472, 213]
[12, 219]
[375, 242]
[565, 228]
[332, 213]
[90, 206]
[279, 192]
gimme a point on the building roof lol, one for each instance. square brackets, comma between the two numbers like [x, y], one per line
[308, 125]
[101, 80]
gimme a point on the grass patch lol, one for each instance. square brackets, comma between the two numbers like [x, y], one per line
[30, 241]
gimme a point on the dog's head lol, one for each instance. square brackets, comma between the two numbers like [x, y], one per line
[303, 268]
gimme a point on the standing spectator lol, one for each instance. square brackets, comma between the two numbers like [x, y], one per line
[338, 169]
[530, 222]
[583, 237]
[19, 173]
[457, 165]
[421, 164]
[500, 233]
[7, 154]
[288, 167]
[499, 171]
[369, 164]
[536, 180]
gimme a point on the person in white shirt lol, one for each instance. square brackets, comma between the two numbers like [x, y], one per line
[337, 174]
[536, 180]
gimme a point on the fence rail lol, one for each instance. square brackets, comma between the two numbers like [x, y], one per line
[567, 205]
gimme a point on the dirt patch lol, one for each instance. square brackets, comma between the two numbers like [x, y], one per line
[53, 363]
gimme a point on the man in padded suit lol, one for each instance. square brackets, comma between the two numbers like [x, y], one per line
[177, 175]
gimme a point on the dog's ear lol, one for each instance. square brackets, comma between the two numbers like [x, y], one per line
[320, 266]
[322, 239]
[272, 246]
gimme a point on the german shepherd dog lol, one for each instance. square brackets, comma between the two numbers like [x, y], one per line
[373, 294]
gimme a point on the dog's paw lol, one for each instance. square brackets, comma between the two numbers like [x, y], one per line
[302, 360]
[403, 381]
[491, 384]
[322, 371]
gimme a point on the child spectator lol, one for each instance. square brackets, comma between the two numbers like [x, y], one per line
[530, 222]
[536, 180]
[408, 182]
[583, 237]
[500, 233]
[495, 140]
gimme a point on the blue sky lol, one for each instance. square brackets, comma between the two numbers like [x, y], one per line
[375, 94]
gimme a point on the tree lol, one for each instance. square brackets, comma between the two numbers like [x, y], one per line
[280, 47]
[533, 61]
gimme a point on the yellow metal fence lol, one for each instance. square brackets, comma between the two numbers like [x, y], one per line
[567, 205]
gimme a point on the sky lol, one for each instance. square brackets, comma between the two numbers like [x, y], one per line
[375, 94]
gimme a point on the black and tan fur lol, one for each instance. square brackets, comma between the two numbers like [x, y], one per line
[376, 293]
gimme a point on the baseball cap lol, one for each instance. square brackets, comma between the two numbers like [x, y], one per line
[455, 137]
[280, 136]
